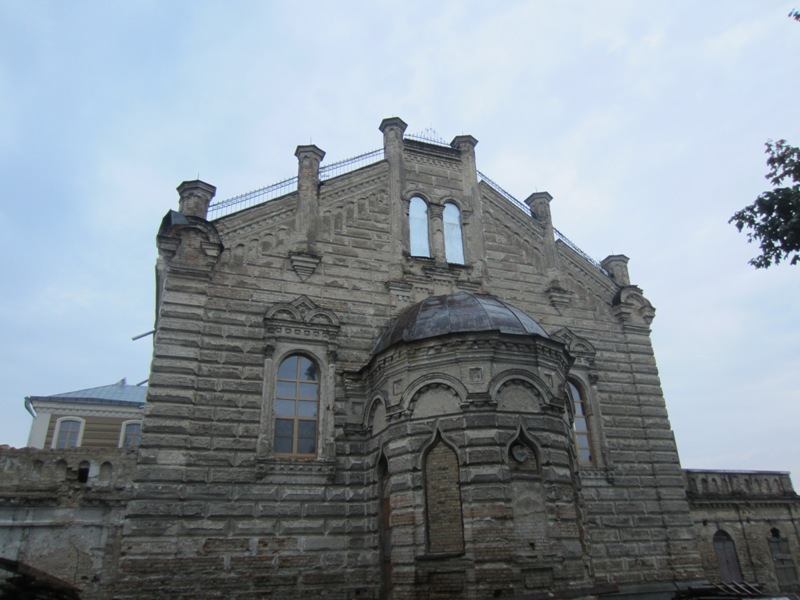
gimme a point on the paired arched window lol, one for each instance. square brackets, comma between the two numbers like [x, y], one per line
[297, 406]
[68, 433]
[420, 234]
[453, 241]
[580, 426]
[419, 240]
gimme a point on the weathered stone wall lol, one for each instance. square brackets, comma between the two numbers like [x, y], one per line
[61, 513]
[759, 511]
[239, 294]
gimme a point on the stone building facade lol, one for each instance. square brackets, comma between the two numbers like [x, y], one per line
[400, 382]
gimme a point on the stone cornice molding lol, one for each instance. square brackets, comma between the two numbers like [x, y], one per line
[68, 409]
[630, 306]
[301, 320]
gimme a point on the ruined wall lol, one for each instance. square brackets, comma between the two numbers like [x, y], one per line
[759, 514]
[61, 513]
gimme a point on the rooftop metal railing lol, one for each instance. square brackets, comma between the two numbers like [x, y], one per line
[496, 187]
[287, 186]
[350, 164]
[429, 136]
[246, 200]
[524, 207]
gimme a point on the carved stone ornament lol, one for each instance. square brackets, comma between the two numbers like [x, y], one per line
[302, 319]
[558, 296]
[304, 264]
[578, 347]
[630, 305]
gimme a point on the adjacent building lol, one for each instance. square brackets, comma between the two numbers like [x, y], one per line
[109, 416]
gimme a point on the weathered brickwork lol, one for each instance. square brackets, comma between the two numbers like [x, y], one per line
[61, 512]
[434, 411]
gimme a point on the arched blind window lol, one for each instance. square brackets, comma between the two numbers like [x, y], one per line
[580, 427]
[453, 241]
[727, 560]
[297, 406]
[419, 244]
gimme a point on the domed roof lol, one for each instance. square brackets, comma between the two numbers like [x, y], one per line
[457, 313]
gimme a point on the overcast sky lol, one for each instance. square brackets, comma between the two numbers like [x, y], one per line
[645, 121]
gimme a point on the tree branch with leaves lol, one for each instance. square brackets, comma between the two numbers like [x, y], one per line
[773, 220]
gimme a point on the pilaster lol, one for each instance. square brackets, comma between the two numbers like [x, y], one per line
[393, 129]
[472, 211]
[308, 160]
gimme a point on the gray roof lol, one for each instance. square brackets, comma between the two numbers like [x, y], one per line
[457, 313]
[116, 393]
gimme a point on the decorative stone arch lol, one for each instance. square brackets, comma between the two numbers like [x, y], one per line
[411, 192]
[284, 311]
[301, 310]
[526, 379]
[579, 347]
[522, 453]
[375, 416]
[518, 394]
[431, 383]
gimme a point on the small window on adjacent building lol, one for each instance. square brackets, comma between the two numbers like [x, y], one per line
[580, 427]
[68, 433]
[453, 240]
[131, 434]
[418, 241]
[297, 406]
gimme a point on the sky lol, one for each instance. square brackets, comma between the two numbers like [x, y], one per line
[645, 121]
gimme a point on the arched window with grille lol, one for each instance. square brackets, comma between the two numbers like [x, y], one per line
[418, 228]
[453, 239]
[297, 406]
